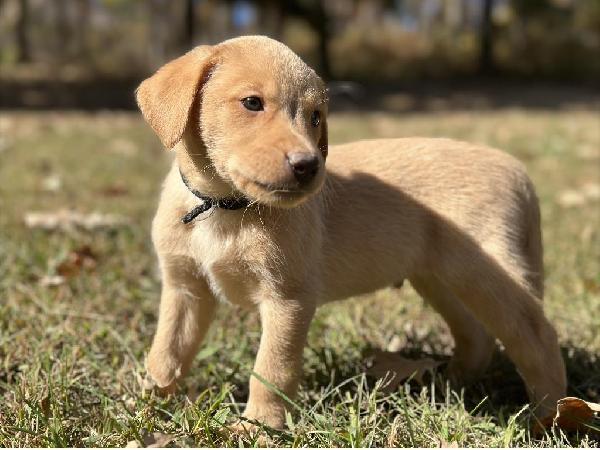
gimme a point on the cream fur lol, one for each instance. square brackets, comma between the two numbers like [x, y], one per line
[460, 221]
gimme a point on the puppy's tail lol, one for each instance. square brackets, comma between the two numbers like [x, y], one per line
[533, 249]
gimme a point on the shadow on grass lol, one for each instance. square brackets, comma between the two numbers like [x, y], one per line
[501, 386]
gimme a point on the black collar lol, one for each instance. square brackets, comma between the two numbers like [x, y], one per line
[230, 203]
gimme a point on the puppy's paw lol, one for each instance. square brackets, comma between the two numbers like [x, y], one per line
[149, 385]
[163, 371]
[243, 428]
[270, 414]
[246, 430]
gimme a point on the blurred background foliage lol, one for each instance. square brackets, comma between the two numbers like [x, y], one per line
[78, 306]
[46, 45]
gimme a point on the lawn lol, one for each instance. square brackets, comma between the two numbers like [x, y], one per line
[78, 307]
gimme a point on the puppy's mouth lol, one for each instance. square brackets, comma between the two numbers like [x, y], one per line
[277, 188]
[284, 195]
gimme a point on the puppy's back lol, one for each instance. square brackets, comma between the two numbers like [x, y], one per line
[400, 202]
[458, 180]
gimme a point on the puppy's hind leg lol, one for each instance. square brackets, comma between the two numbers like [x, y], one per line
[495, 291]
[473, 346]
[186, 311]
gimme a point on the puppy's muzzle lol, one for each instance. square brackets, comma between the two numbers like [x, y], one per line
[305, 166]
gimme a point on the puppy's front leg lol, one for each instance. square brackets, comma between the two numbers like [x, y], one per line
[285, 325]
[186, 310]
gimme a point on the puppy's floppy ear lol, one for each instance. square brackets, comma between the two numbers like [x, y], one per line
[166, 98]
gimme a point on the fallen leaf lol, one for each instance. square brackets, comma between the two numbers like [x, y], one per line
[591, 285]
[52, 280]
[572, 414]
[396, 368]
[45, 405]
[114, 190]
[67, 220]
[76, 260]
[152, 440]
[155, 440]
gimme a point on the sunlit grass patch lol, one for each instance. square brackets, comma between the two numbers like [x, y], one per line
[72, 355]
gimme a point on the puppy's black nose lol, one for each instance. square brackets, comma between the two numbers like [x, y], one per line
[304, 165]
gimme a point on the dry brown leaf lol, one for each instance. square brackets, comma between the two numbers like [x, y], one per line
[572, 414]
[78, 259]
[396, 368]
[156, 440]
[115, 190]
[67, 220]
[152, 440]
[591, 285]
[45, 405]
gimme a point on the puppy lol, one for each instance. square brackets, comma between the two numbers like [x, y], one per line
[249, 214]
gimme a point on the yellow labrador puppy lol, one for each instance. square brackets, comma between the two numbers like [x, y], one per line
[250, 213]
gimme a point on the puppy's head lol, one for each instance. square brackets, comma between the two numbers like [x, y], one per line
[255, 109]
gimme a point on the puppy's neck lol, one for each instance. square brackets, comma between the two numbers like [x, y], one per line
[193, 161]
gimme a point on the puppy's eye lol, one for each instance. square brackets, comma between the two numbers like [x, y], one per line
[252, 103]
[315, 119]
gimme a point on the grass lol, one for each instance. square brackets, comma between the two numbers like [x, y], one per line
[71, 356]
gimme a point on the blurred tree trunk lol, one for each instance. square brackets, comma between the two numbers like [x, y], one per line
[22, 33]
[63, 31]
[158, 31]
[314, 14]
[454, 14]
[486, 58]
[322, 29]
[368, 11]
[271, 17]
[81, 27]
[187, 38]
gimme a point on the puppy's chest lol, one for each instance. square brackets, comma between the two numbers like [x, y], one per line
[236, 265]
